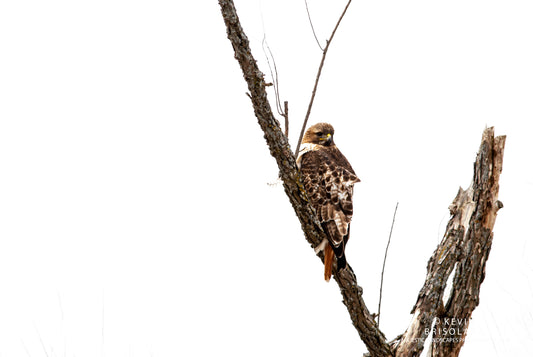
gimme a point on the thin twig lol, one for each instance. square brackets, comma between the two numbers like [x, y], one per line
[328, 42]
[384, 260]
[312, 27]
[273, 74]
[275, 82]
[286, 116]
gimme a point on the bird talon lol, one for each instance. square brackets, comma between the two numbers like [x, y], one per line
[319, 248]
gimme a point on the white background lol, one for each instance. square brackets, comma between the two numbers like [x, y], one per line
[135, 215]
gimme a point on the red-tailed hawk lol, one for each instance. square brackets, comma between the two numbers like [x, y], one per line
[328, 179]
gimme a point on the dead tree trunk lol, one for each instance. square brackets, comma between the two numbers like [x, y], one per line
[480, 206]
[465, 246]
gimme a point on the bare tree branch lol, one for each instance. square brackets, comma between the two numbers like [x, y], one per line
[280, 149]
[325, 52]
[362, 319]
[470, 269]
[466, 246]
[274, 136]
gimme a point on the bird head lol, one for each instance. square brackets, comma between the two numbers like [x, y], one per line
[320, 134]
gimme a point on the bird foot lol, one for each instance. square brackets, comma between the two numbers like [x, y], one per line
[321, 246]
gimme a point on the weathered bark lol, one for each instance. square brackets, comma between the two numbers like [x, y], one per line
[470, 268]
[465, 247]
[352, 297]
[280, 149]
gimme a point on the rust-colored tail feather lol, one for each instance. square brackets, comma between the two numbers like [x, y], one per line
[328, 261]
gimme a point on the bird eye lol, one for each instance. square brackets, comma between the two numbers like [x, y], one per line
[319, 133]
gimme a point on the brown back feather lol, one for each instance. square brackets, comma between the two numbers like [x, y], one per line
[328, 179]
